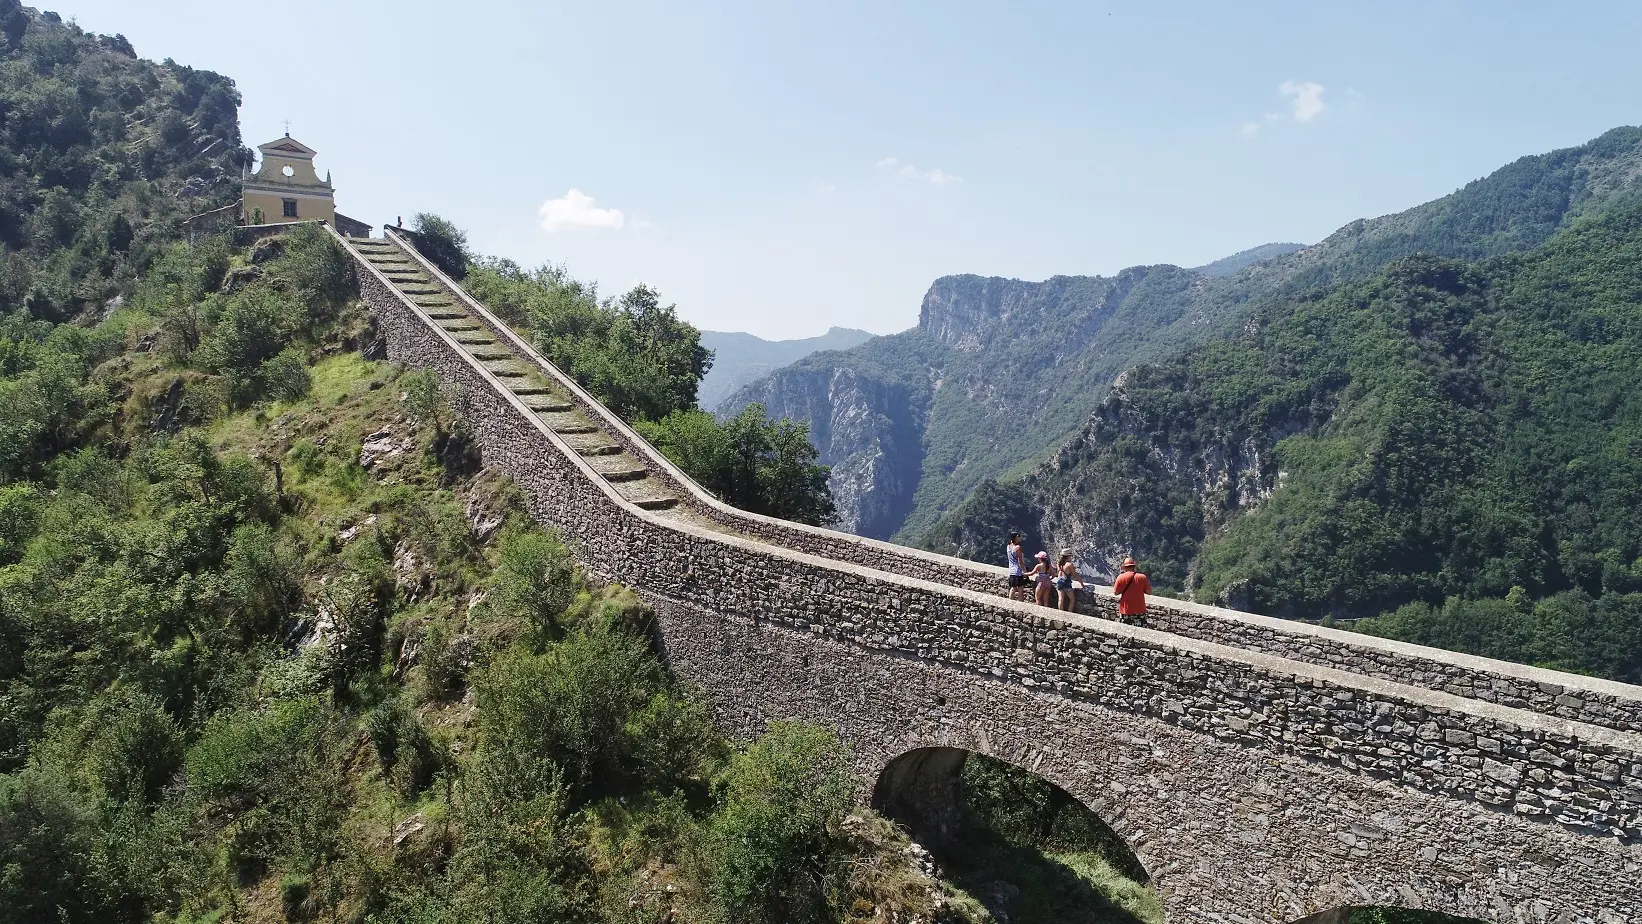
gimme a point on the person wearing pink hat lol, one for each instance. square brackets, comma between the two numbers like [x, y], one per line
[1131, 588]
[1044, 576]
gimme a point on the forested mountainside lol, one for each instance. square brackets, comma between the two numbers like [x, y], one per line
[999, 372]
[1226, 266]
[1463, 439]
[274, 648]
[739, 359]
[102, 156]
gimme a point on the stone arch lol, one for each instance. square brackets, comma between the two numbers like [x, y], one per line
[923, 789]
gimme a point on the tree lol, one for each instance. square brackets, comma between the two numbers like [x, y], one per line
[444, 244]
[783, 801]
[749, 461]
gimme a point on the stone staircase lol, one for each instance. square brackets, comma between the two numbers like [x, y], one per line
[544, 397]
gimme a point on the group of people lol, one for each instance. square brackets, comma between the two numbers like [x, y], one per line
[1058, 585]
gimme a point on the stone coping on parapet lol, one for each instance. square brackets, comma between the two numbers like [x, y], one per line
[1625, 697]
[1268, 664]
[980, 573]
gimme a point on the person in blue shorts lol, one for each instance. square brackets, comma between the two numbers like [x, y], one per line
[1014, 554]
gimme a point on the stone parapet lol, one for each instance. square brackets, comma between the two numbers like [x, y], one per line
[1552, 693]
[1581, 777]
[871, 553]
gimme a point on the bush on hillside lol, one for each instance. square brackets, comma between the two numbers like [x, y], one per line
[773, 837]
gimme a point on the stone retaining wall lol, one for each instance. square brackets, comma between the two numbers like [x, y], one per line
[1585, 778]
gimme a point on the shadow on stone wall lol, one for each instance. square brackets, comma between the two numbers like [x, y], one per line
[1020, 845]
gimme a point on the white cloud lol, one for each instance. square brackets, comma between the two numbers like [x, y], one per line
[1250, 129]
[576, 209]
[935, 177]
[1305, 98]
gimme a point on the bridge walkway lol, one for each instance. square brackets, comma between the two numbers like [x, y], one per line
[547, 399]
[638, 473]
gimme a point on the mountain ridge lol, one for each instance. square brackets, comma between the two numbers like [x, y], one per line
[1013, 368]
[1441, 431]
[740, 358]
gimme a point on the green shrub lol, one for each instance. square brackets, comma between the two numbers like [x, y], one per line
[534, 580]
[285, 376]
[408, 755]
[444, 244]
[56, 859]
[277, 778]
[750, 461]
[577, 712]
[772, 837]
[438, 673]
[123, 741]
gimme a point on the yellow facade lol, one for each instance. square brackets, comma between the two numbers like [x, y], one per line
[286, 187]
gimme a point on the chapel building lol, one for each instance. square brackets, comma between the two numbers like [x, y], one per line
[286, 188]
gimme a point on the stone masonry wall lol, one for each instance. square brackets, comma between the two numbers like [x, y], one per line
[1537, 766]
[1583, 699]
[1572, 780]
[1613, 705]
[1227, 834]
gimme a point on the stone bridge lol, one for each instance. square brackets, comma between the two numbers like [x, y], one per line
[1262, 771]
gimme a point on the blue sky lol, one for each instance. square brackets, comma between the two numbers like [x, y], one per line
[782, 167]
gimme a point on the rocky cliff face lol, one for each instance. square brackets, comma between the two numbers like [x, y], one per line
[997, 372]
[866, 411]
[741, 359]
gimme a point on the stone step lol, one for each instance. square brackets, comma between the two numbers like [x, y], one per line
[548, 404]
[439, 315]
[574, 429]
[647, 495]
[532, 389]
[420, 290]
[627, 471]
[491, 355]
[457, 327]
[507, 372]
[475, 340]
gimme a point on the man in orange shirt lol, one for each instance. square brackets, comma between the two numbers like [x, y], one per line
[1131, 588]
